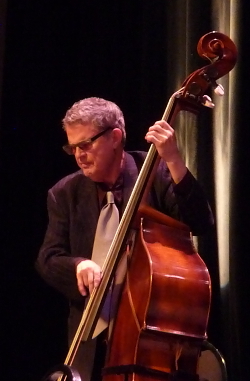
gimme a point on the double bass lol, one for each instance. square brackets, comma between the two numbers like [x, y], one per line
[163, 308]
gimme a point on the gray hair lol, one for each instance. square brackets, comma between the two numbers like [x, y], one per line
[100, 112]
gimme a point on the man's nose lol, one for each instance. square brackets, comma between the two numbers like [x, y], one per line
[80, 152]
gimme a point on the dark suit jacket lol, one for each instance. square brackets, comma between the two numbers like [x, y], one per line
[73, 210]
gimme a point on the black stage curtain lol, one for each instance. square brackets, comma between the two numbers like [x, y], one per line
[57, 52]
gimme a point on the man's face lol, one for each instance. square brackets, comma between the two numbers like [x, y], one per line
[97, 158]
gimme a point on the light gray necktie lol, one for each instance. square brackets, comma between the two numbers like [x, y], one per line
[105, 231]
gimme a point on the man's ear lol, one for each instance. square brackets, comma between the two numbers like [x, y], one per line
[117, 137]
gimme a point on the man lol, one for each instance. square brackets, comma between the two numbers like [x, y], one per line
[96, 136]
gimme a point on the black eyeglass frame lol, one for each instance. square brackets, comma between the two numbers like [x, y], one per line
[68, 148]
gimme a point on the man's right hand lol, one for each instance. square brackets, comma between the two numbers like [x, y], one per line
[88, 275]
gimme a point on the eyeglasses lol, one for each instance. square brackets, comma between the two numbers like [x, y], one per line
[71, 148]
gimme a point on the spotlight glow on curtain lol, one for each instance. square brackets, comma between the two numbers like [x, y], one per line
[225, 20]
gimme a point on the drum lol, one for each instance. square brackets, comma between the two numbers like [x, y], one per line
[211, 365]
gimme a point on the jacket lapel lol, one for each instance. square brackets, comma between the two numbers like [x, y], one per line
[130, 177]
[87, 211]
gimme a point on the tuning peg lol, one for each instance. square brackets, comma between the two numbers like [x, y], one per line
[218, 89]
[207, 101]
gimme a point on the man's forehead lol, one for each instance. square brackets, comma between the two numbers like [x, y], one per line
[80, 125]
[79, 131]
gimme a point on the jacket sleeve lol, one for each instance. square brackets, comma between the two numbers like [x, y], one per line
[185, 201]
[54, 262]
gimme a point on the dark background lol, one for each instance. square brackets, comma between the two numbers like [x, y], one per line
[55, 53]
